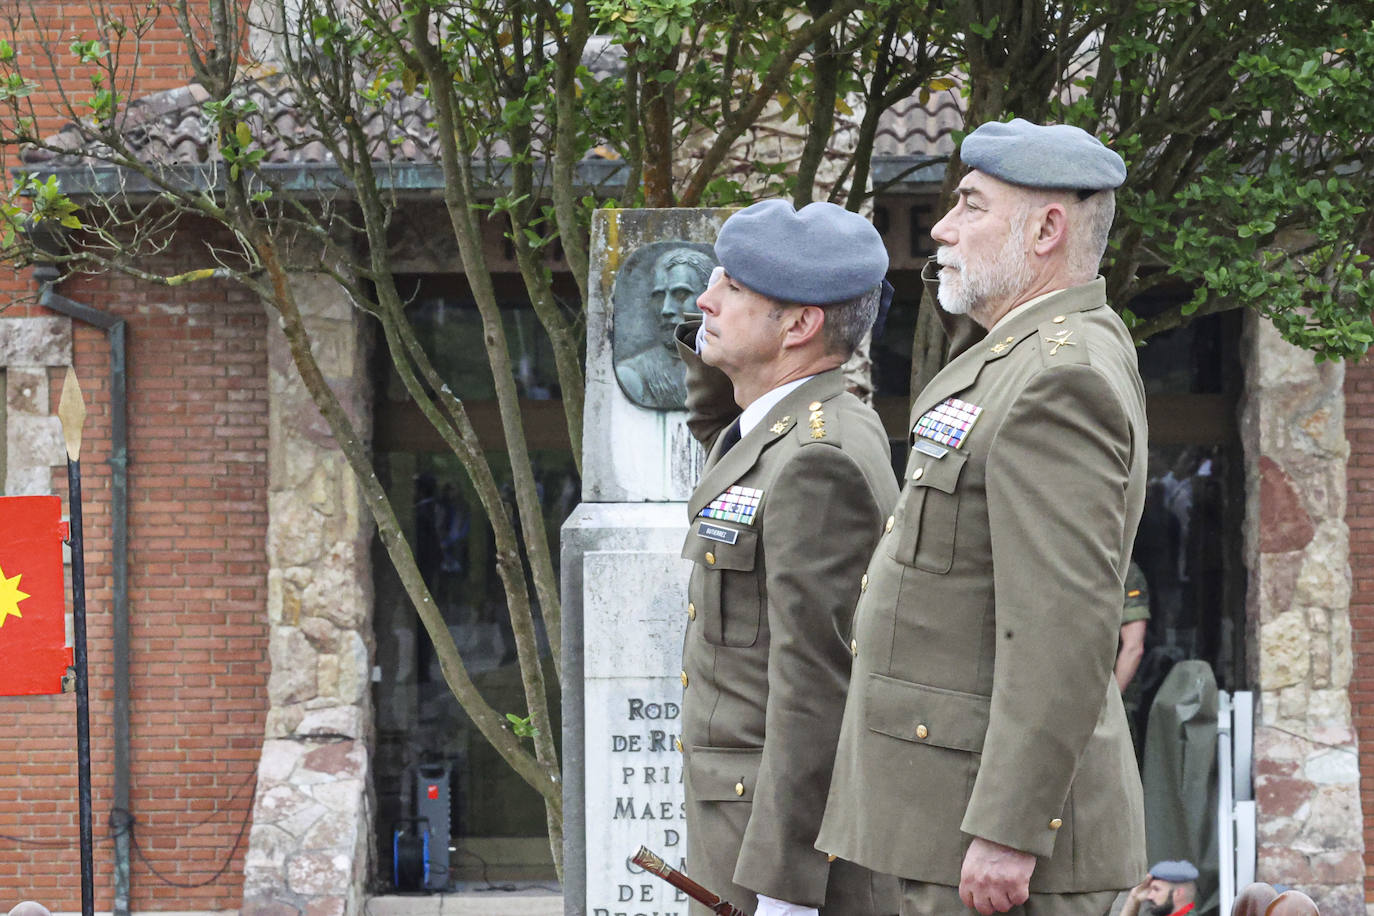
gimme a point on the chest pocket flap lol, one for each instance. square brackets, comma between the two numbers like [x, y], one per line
[928, 512]
[936, 473]
[708, 543]
[724, 774]
[724, 588]
[927, 715]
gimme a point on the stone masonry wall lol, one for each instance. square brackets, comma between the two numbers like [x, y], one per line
[29, 347]
[1306, 767]
[309, 848]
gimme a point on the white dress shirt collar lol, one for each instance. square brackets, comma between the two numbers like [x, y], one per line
[755, 413]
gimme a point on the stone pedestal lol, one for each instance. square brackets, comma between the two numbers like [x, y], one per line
[624, 580]
[625, 590]
[630, 453]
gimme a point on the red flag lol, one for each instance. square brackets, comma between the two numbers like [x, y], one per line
[33, 634]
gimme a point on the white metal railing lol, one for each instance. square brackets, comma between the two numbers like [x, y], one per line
[1235, 793]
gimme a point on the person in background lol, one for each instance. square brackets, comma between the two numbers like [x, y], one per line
[1170, 889]
[1135, 617]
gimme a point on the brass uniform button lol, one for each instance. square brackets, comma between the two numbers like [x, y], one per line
[814, 405]
[691, 611]
[1058, 319]
[739, 788]
[887, 526]
[710, 558]
[677, 742]
[684, 679]
[916, 474]
[922, 732]
[1056, 824]
[854, 647]
[863, 583]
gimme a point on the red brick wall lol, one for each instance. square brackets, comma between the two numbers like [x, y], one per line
[197, 585]
[31, 25]
[1359, 428]
[197, 384]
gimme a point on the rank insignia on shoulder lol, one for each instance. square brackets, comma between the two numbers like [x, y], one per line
[737, 504]
[817, 421]
[780, 426]
[948, 423]
[1060, 340]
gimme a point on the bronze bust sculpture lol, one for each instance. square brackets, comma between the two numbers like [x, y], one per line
[646, 361]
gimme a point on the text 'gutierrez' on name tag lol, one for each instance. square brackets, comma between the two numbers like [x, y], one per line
[717, 533]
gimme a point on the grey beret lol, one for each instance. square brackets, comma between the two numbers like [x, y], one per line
[819, 254]
[1174, 870]
[1043, 156]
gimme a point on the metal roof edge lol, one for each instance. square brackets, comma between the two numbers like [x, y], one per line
[88, 180]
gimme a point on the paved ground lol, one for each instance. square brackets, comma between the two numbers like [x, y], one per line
[471, 902]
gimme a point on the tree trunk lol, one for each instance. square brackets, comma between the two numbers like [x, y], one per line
[827, 69]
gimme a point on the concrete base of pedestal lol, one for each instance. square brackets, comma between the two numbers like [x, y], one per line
[624, 601]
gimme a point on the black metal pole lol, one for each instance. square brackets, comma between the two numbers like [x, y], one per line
[83, 709]
[72, 412]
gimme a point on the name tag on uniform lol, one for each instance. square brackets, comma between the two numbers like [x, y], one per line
[737, 504]
[717, 533]
[948, 423]
[926, 447]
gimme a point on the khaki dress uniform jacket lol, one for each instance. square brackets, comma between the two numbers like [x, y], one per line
[982, 701]
[764, 662]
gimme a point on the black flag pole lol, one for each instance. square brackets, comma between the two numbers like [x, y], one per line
[71, 409]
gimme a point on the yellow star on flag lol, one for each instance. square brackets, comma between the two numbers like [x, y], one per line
[10, 596]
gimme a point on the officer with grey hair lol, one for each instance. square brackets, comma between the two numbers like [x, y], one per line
[797, 482]
[984, 756]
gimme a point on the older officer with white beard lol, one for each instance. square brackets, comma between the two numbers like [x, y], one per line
[984, 756]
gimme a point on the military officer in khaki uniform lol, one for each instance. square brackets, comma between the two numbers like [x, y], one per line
[798, 480]
[984, 756]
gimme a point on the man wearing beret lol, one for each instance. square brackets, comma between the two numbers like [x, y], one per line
[798, 480]
[984, 756]
[1170, 889]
